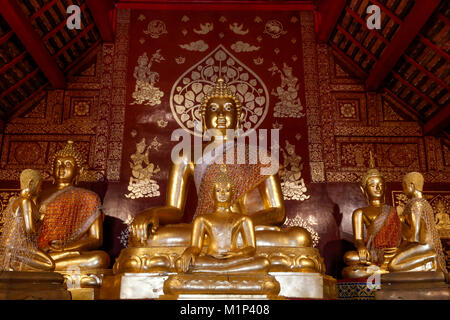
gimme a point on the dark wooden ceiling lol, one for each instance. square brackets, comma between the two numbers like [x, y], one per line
[408, 57]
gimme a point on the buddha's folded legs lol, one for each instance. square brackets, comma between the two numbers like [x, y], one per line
[412, 257]
[71, 260]
[180, 235]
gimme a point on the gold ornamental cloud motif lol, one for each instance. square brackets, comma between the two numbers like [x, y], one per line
[156, 28]
[191, 87]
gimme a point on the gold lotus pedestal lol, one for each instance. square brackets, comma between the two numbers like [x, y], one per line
[142, 273]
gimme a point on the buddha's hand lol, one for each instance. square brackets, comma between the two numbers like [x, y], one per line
[186, 259]
[145, 220]
[364, 255]
[56, 246]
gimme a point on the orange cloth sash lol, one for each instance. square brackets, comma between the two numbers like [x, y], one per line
[68, 214]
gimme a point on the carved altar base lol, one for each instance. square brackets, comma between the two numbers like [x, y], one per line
[419, 285]
[18, 285]
[85, 284]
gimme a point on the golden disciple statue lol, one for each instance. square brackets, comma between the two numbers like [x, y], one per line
[222, 228]
[256, 195]
[18, 241]
[72, 226]
[382, 226]
[421, 249]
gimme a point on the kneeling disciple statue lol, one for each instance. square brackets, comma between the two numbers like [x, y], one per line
[421, 249]
[18, 242]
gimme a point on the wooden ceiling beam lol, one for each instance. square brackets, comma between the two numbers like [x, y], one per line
[100, 11]
[23, 29]
[438, 122]
[329, 13]
[405, 34]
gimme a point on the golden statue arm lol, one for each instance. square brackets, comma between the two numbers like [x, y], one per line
[274, 211]
[173, 211]
[25, 206]
[358, 234]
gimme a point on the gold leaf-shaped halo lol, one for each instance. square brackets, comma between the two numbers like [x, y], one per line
[198, 80]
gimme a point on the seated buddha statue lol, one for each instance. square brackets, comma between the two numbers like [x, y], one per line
[258, 196]
[72, 226]
[421, 249]
[18, 242]
[222, 227]
[382, 225]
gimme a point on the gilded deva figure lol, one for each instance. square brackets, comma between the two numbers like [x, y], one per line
[222, 227]
[18, 241]
[256, 195]
[421, 249]
[382, 225]
[72, 226]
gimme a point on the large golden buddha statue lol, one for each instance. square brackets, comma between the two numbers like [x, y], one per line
[226, 266]
[72, 226]
[382, 226]
[258, 196]
[222, 227]
[421, 249]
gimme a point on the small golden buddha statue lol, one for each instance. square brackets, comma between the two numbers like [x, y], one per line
[382, 225]
[421, 249]
[72, 226]
[442, 218]
[222, 228]
[18, 245]
[257, 196]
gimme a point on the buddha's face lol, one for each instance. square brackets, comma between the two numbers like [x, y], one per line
[222, 192]
[221, 114]
[65, 169]
[375, 188]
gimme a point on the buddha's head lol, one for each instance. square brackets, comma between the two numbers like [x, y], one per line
[290, 148]
[67, 165]
[221, 108]
[222, 189]
[412, 183]
[372, 183]
[30, 182]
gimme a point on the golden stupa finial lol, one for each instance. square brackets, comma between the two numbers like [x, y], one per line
[371, 172]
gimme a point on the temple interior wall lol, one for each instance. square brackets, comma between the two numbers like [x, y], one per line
[344, 122]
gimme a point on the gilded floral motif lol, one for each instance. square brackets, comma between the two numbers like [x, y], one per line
[190, 89]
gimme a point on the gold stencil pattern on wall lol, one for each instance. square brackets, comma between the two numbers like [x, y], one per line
[141, 184]
[292, 183]
[289, 104]
[156, 28]
[145, 91]
[191, 87]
